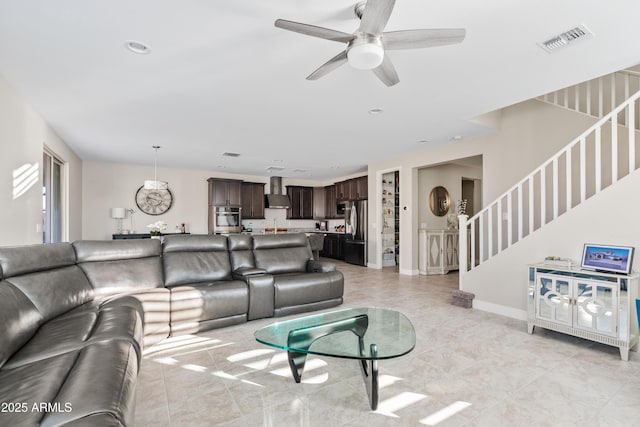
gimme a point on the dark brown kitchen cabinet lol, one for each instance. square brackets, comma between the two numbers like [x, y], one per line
[252, 198]
[353, 189]
[319, 205]
[330, 202]
[350, 189]
[341, 190]
[361, 188]
[225, 192]
[301, 202]
[333, 246]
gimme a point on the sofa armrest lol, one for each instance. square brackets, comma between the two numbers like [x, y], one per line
[243, 272]
[314, 266]
[261, 295]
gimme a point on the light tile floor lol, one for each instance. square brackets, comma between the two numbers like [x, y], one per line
[469, 368]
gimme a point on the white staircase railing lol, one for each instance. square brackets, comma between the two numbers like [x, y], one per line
[600, 156]
[598, 97]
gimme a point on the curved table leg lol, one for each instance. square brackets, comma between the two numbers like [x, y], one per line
[370, 376]
[303, 338]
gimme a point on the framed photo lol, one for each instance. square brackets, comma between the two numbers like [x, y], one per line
[614, 259]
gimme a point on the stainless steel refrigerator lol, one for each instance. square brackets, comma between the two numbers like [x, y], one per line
[355, 248]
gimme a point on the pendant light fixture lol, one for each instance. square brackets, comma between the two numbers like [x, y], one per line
[155, 184]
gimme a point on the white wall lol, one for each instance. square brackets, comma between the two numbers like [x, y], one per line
[23, 135]
[500, 284]
[529, 133]
[108, 185]
[448, 176]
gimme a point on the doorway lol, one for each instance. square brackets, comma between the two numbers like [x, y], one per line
[391, 219]
[52, 206]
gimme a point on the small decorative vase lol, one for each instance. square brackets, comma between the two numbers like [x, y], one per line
[153, 236]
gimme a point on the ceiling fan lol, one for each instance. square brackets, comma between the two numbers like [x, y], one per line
[367, 45]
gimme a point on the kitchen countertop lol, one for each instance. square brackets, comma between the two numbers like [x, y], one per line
[283, 230]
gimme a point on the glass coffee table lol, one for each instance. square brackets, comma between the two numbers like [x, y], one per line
[363, 334]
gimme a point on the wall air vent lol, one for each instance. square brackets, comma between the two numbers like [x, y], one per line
[231, 154]
[554, 43]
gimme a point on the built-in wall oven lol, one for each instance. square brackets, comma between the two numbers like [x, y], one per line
[227, 219]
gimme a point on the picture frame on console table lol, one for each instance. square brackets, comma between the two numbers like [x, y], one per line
[607, 258]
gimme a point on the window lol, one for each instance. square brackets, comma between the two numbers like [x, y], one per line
[52, 207]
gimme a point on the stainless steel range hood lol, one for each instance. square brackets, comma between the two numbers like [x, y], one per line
[275, 199]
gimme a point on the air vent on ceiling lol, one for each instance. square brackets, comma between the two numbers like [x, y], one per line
[577, 33]
[299, 170]
[231, 154]
[275, 168]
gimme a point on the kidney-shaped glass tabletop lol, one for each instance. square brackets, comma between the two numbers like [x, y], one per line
[364, 334]
[347, 333]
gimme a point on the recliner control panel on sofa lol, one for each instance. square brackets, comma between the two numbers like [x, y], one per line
[76, 316]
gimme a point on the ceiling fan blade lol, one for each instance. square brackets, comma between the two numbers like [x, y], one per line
[376, 15]
[329, 66]
[313, 31]
[413, 39]
[387, 72]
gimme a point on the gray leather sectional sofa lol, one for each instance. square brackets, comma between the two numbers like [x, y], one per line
[75, 317]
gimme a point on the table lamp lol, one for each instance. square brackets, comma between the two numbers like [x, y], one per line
[118, 214]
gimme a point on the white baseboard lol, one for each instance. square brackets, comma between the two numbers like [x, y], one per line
[502, 310]
[408, 272]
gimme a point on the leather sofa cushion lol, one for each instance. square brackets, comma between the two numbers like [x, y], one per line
[93, 420]
[32, 384]
[240, 246]
[119, 266]
[19, 320]
[116, 319]
[282, 253]
[112, 277]
[18, 260]
[194, 243]
[56, 291]
[201, 302]
[156, 309]
[101, 381]
[193, 259]
[192, 267]
[296, 289]
[114, 250]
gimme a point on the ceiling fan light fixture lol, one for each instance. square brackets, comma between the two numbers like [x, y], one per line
[366, 55]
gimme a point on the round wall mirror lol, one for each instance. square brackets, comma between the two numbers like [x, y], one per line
[439, 201]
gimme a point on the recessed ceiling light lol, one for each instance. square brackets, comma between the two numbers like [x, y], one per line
[457, 137]
[227, 154]
[299, 170]
[423, 141]
[375, 111]
[138, 47]
[277, 161]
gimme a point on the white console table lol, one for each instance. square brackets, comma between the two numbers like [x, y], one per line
[592, 305]
[437, 251]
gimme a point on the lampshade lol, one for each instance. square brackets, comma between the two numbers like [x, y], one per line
[154, 184]
[118, 213]
[365, 56]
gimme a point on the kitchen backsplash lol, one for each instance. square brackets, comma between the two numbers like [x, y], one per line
[281, 221]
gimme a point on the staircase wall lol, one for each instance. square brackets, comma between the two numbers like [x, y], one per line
[610, 217]
[526, 134]
[530, 133]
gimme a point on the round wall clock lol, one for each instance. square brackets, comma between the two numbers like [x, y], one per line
[154, 202]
